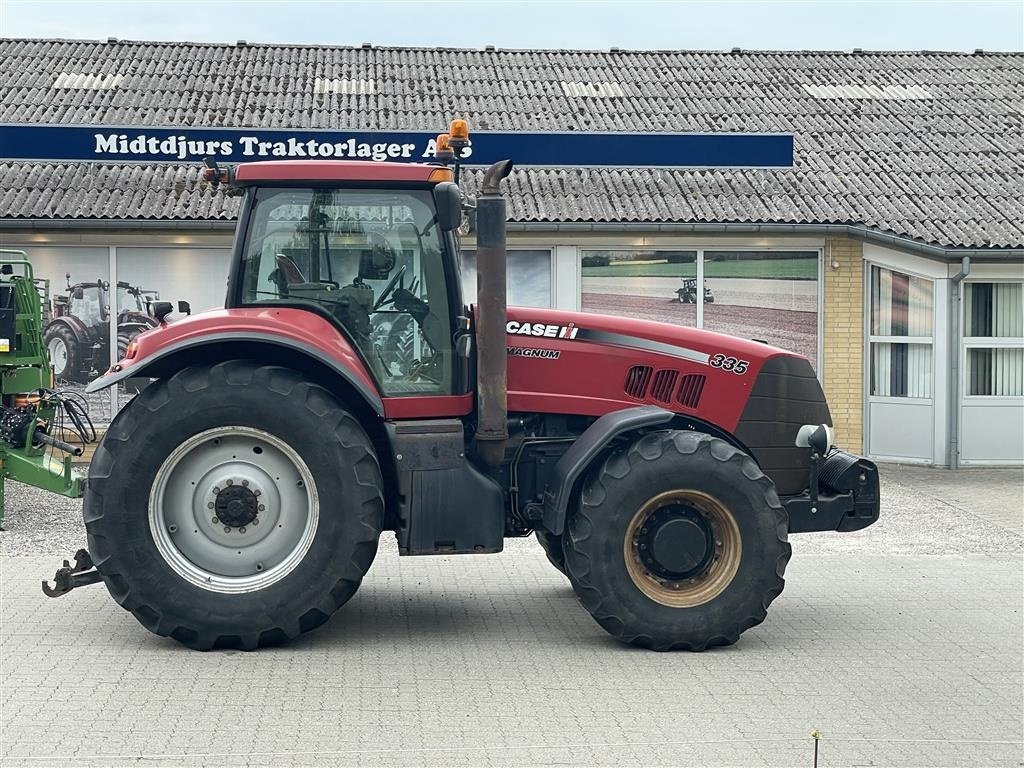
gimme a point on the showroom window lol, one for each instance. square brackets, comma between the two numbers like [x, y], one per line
[769, 295]
[529, 277]
[648, 284]
[994, 339]
[902, 309]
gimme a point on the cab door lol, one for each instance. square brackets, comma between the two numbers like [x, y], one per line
[377, 265]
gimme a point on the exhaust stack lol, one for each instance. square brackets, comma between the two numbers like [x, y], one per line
[492, 361]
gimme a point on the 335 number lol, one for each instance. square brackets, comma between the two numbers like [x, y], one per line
[732, 364]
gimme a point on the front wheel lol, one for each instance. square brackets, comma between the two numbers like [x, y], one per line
[63, 350]
[233, 506]
[678, 541]
[553, 548]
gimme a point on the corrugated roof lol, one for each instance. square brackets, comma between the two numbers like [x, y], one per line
[924, 145]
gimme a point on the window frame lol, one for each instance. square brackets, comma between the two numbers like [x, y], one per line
[984, 342]
[873, 338]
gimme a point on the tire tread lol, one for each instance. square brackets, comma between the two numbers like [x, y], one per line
[619, 466]
[240, 373]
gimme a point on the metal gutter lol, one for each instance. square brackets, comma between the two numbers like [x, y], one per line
[860, 232]
[72, 224]
[946, 253]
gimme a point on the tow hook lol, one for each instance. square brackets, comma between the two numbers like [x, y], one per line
[69, 576]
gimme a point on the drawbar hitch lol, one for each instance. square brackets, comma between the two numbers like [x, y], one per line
[70, 576]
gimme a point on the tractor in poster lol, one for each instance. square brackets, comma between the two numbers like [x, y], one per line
[77, 336]
[238, 500]
[687, 293]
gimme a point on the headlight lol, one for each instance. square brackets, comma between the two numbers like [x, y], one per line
[818, 437]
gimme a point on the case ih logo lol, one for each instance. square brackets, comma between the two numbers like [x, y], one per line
[542, 329]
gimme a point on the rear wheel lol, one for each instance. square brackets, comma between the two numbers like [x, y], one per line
[233, 506]
[678, 541]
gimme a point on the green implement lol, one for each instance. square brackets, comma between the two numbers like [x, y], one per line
[29, 408]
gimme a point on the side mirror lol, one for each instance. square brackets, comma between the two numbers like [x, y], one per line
[161, 309]
[448, 201]
[185, 308]
[464, 345]
[78, 293]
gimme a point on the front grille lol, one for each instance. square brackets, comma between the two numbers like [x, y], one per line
[637, 379]
[785, 396]
[664, 384]
[690, 390]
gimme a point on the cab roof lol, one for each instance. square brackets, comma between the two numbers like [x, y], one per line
[333, 170]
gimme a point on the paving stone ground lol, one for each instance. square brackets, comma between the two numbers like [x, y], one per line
[901, 655]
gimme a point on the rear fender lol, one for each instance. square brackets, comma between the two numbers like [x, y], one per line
[242, 345]
[73, 324]
[357, 396]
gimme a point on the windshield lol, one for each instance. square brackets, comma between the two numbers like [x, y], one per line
[372, 261]
[130, 300]
[86, 305]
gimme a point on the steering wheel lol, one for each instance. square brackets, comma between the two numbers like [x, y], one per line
[392, 283]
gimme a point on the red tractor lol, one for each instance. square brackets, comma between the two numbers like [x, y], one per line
[238, 500]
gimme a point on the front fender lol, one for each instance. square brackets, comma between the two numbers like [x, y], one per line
[588, 446]
[132, 317]
[170, 347]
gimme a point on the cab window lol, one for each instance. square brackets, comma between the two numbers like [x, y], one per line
[372, 261]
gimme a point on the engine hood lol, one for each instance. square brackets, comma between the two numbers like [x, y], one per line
[575, 362]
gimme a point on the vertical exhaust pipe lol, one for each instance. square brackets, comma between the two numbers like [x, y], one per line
[492, 361]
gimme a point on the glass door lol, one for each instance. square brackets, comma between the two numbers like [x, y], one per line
[992, 380]
[901, 373]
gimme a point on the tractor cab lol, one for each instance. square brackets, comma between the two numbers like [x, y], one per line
[378, 262]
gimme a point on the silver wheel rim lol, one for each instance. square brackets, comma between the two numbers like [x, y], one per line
[58, 355]
[189, 517]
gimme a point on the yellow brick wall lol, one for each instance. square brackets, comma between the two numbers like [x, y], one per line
[843, 342]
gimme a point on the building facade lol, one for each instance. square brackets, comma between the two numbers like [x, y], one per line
[890, 251]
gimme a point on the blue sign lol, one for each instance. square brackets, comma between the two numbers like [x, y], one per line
[101, 143]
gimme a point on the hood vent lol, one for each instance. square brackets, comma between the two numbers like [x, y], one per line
[642, 383]
[637, 380]
[690, 390]
[664, 385]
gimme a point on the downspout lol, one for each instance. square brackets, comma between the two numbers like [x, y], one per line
[953, 459]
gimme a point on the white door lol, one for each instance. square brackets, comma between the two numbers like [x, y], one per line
[992, 374]
[901, 367]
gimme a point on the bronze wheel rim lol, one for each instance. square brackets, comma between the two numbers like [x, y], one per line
[715, 561]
